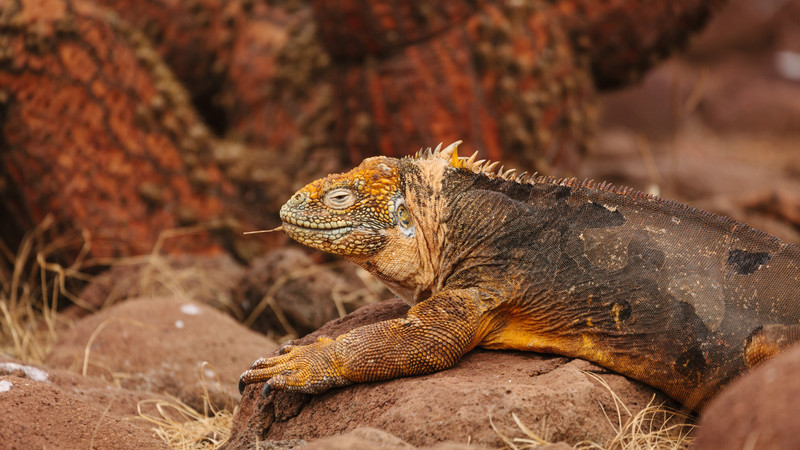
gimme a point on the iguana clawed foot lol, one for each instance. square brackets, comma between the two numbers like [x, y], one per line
[310, 369]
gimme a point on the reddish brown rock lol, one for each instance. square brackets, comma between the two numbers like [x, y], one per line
[504, 78]
[51, 408]
[552, 395]
[624, 38]
[760, 410]
[194, 40]
[366, 438]
[88, 101]
[724, 105]
[737, 77]
[313, 91]
[257, 73]
[97, 133]
[161, 345]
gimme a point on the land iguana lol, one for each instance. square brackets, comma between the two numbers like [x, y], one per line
[677, 298]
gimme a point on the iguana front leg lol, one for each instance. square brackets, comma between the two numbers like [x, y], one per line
[433, 336]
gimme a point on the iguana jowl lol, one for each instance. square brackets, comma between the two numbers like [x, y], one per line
[678, 298]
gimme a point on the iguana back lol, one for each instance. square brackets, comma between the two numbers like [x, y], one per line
[678, 298]
[662, 292]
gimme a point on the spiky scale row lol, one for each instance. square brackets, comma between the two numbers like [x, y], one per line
[490, 169]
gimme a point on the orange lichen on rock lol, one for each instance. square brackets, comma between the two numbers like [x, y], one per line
[98, 133]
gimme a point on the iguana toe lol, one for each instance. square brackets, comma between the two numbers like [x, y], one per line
[286, 348]
[310, 369]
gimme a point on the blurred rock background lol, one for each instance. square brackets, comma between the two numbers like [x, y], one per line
[717, 126]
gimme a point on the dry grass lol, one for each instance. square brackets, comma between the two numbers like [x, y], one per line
[182, 427]
[344, 295]
[31, 285]
[655, 427]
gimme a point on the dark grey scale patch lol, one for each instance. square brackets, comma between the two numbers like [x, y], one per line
[643, 250]
[745, 263]
[548, 195]
[595, 215]
[511, 189]
[691, 364]
[561, 192]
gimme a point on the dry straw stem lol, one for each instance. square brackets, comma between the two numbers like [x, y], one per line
[30, 291]
[159, 277]
[182, 427]
[340, 299]
[655, 427]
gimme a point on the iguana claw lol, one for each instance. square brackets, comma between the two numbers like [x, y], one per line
[310, 369]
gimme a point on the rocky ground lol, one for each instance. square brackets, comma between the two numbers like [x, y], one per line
[156, 366]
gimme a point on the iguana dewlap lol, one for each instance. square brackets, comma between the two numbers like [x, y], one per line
[677, 298]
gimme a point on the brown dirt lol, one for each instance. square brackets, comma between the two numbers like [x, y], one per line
[161, 345]
[365, 438]
[55, 408]
[560, 400]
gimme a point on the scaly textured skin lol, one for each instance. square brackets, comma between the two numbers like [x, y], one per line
[677, 298]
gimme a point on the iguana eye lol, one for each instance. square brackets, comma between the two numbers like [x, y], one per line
[402, 216]
[339, 198]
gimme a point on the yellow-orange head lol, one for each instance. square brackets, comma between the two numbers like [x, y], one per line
[348, 213]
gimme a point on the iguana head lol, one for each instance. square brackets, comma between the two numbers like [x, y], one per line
[381, 215]
[349, 213]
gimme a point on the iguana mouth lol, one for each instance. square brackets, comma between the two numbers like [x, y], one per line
[332, 225]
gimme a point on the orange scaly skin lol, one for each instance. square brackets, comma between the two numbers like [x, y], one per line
[677, 298]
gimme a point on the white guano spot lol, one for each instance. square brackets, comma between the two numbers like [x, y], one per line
[179, 324]
[787, 63]
[31, 372]
[654, 230]
[5, 385]
[190, 309]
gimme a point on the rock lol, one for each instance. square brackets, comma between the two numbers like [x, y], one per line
[100, 137]
[556, 397]
[161, 345]
[361, 438]
[366, 438]
[735, 79]
[51, 408]
[305, 294]
[760, 410]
